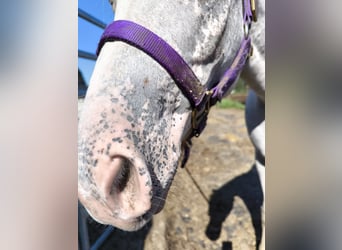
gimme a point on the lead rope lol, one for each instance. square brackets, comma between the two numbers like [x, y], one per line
[196, 185]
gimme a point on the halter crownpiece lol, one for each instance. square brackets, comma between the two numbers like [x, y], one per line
[200, 98]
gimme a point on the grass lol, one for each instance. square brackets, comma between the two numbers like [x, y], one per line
[227, 103]
[240, 87]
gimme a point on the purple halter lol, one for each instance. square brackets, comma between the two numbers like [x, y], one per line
[200, 97]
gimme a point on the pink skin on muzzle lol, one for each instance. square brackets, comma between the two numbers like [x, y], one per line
[126, 166]
[120, 206]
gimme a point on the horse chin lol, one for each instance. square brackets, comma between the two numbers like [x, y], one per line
[126, 224]
[130, 224]
[137, 223]
[159, 208]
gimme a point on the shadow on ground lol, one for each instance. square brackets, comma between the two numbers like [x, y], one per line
[246, 186]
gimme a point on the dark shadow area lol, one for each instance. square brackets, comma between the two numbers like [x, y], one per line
[248, 188]
[82, 86]
[227, 245]
[90, 232]
[118, 239]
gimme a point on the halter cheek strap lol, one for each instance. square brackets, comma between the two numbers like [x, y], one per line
[200, 98]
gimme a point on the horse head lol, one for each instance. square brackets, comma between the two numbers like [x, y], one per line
[135, 118]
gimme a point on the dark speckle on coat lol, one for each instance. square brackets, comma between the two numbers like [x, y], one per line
[130, 118]
[114, 100]
[117, 139]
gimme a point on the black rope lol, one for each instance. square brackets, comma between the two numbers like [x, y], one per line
[196, 184]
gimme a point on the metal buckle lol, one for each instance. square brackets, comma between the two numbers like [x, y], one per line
[197, 116]
[246, 29]
[250, 54]
[254, 14]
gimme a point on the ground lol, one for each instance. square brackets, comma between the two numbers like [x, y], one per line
[214, 203]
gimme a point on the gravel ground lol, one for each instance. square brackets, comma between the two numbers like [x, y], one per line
[214, 203]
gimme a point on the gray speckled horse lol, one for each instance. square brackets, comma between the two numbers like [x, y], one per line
[135, 117]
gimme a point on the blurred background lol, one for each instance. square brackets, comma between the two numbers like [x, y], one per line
[88, 33]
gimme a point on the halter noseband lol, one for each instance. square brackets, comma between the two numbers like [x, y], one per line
[200, 97]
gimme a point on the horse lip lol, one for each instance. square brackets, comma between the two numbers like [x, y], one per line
[159, 207]
[134, 224]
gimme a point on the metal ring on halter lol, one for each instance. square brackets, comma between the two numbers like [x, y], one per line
[253, 9]
[246, 29]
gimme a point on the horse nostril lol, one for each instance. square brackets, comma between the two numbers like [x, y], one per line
[112, 175]
[121, 191]
[123, 175]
